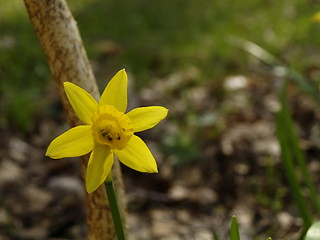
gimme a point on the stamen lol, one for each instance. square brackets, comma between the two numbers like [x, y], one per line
[111, 127]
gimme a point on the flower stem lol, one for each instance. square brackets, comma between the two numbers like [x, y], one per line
[114, 208]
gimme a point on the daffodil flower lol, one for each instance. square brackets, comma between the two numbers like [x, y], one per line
[108, 131]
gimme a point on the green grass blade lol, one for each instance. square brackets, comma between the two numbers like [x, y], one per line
[255, 50]
[297, 153]
[304, 84]
[313, 232]
[287, 160]
[234, 230]
[277, 64]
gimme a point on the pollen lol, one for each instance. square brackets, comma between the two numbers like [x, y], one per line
[111, 127]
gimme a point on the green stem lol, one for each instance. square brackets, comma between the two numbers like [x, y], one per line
[114, 208]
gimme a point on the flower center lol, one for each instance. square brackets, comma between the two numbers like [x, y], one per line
[111, 127]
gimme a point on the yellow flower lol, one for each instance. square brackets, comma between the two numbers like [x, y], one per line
[316, 17]
[108, 131]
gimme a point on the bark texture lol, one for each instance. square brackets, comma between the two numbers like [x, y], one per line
[60, 39]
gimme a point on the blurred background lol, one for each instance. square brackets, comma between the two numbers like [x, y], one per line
[211, 64]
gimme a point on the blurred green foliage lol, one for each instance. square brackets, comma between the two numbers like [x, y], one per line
[153, 39]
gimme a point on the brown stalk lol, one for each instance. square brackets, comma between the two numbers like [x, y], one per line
[61, 42]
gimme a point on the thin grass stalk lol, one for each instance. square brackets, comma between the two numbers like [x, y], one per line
[294, 140]
[290, 173]
[287, 159]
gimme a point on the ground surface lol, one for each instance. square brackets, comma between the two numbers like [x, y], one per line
[234, 169]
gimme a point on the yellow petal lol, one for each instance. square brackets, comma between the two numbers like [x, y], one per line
[115, 93]
[81, 101]
[146, 117]
[75, 142]
[99, 167]
[137, 156]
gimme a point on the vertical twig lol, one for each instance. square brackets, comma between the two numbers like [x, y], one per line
[60, 39]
